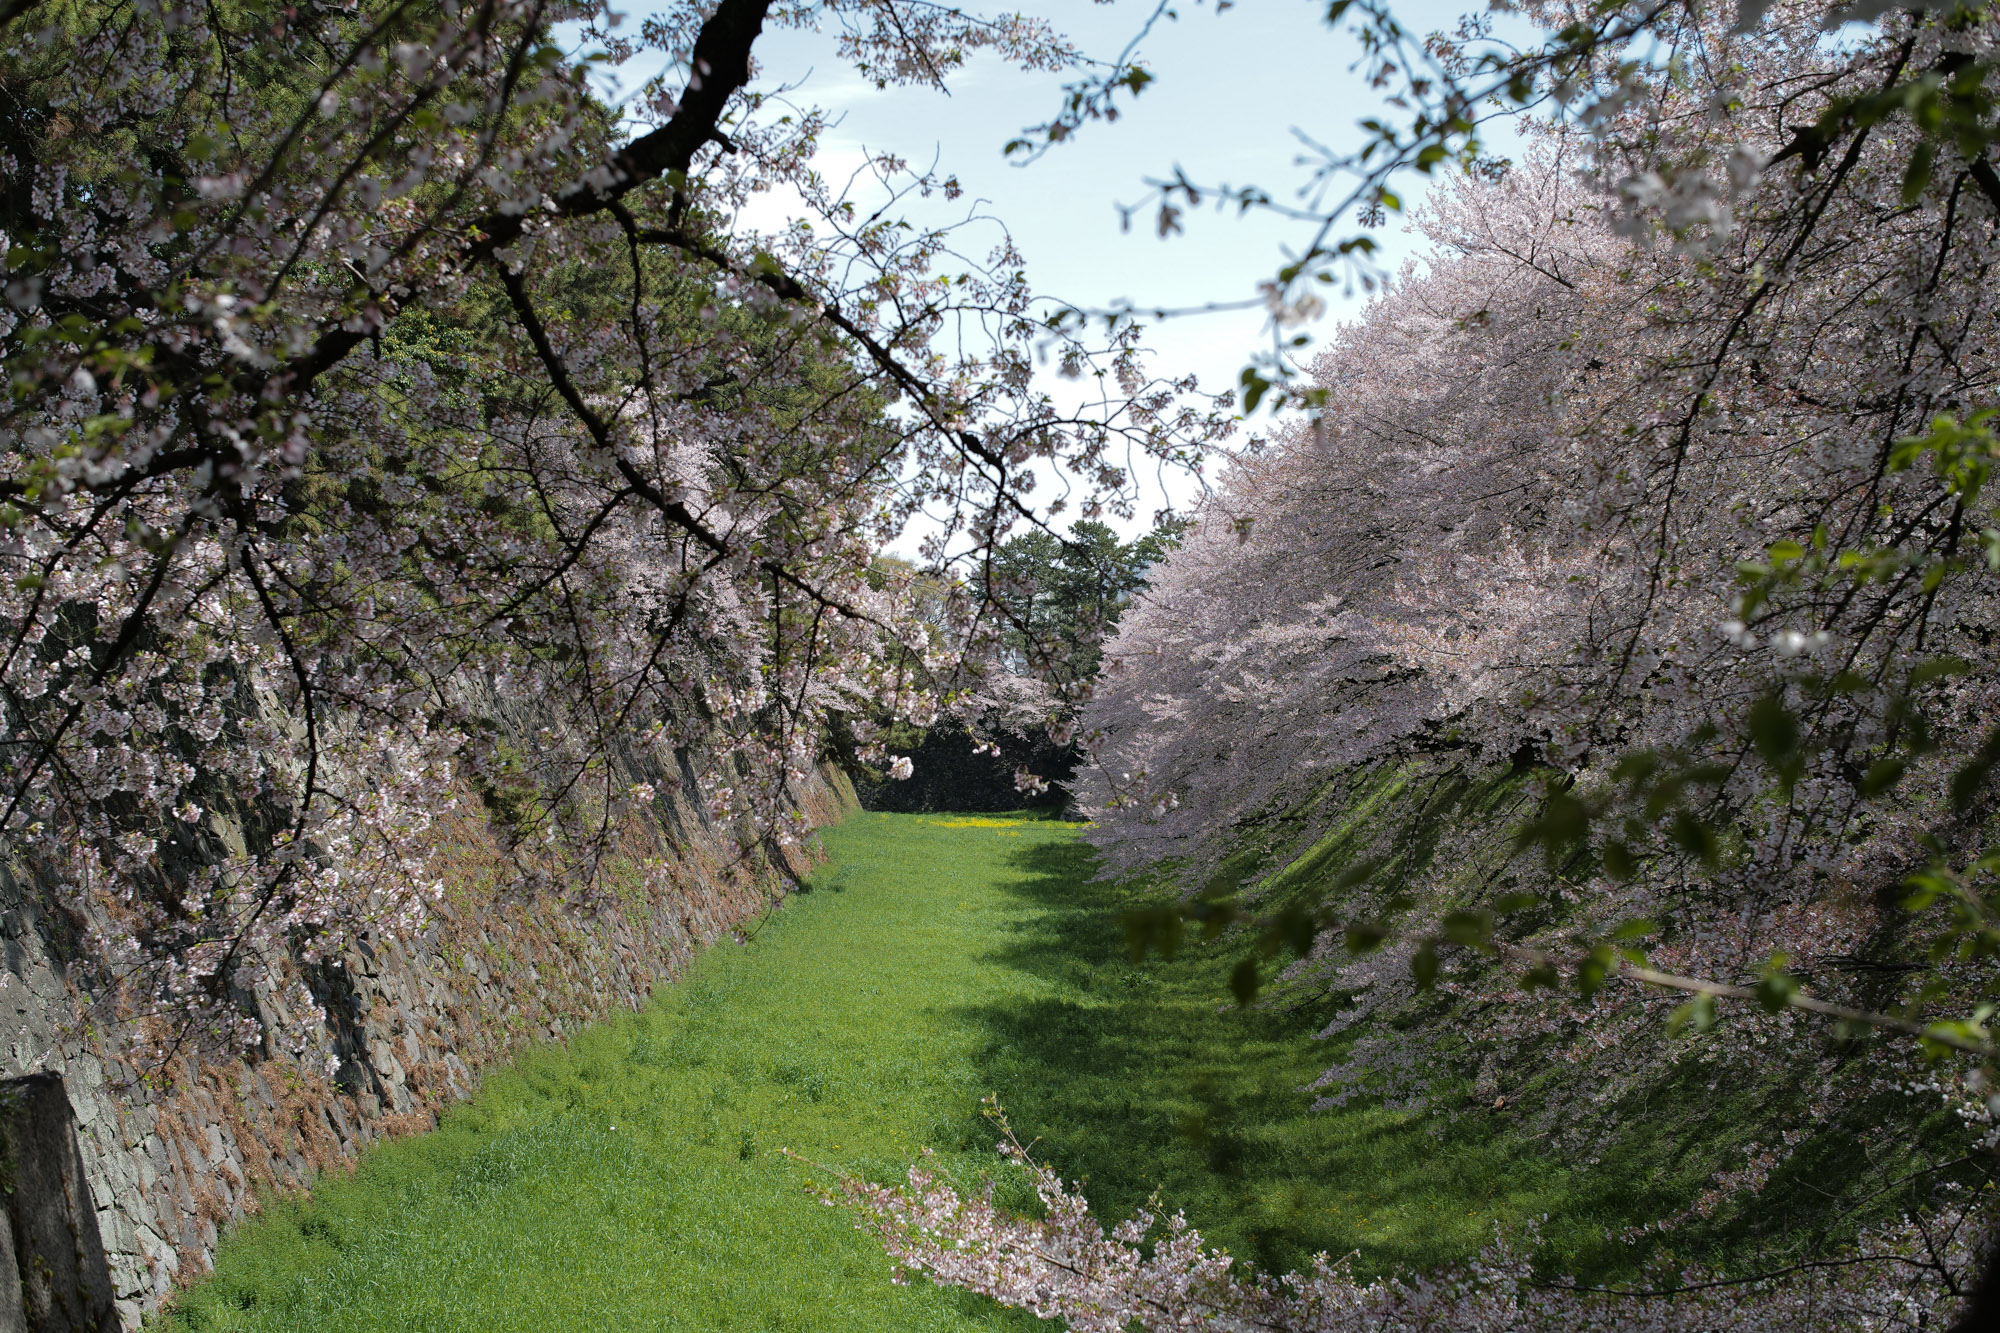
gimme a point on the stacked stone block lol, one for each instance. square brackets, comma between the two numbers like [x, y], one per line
[170, 1163]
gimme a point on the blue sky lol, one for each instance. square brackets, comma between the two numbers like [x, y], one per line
[1231, 88]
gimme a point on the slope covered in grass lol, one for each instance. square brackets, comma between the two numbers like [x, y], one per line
[631, 1178]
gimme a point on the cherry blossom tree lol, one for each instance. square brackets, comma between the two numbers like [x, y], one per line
[1663, 476]
[370, 381]
[1688, 503]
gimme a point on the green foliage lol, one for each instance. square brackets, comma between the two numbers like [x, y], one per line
[1054, 601]
[1061, 597]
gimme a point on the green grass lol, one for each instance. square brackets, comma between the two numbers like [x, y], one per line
[631, 1178]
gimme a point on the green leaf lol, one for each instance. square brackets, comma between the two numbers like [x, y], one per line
[1296, 928]
[1698, 1013]
[1424, 966]
[1255, 386]
[1364, 938]
[1774, 731]
[1937, 669]
[1964, 1030]
[1151, 928]
[1356, 873]
[1636, 767]
[1215, 917]
[1244, 981]
[1974, 773]
[1591, 972]
[1917, 176]
[1926, 887]
[1474, 930]
[1563, 823]
[1775, 990]
[1693, 835]
[1881, 776]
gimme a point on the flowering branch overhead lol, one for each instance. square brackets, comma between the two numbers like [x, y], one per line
[370, 381]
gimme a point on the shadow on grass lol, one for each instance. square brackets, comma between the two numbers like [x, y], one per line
[1144, 1080]
[1144, 1077]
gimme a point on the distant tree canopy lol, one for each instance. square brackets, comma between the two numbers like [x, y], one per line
[1056, 599]
[1060, 598]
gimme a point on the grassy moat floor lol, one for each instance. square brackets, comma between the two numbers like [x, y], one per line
[632, 1178]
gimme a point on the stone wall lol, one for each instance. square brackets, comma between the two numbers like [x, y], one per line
[172, 1161]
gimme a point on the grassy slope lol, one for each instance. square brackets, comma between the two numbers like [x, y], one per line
[1649, 1137]
[630, 1178]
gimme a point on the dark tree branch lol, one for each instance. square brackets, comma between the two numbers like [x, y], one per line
[721, 66]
